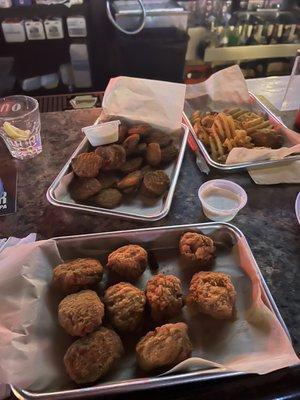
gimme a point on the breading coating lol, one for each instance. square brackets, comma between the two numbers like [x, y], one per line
[166, 346]
[91, 357]
[125, 305]
[80, 313]
[196, 247]
[128, 261]
[164, 295]
[74, 275]
[212, 293]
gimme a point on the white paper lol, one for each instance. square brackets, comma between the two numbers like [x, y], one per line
[156, 102]
[282, 173]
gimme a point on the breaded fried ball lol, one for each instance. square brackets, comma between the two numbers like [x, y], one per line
[196, 247]
[128, 261]
[80, 313]
[164, 295]
[125, 305]
[212, 293]
[78, 274]
[91, 357]
[166, 346]
[87, 165]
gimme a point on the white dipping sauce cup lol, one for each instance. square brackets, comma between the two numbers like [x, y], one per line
[217, 187]
[104, 133]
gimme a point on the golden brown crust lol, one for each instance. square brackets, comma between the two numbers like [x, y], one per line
[166, 346]
[83, 188]
[169, 153]
[108, 198]
[74, 275]
[107, 180]
[212, 293]
[131, 181]
[80, 313]
[128, 261]
[87, 165]
[164, 295]
[153, 154]
[125, 305]
[130, 144]
[92, 356]
[113, 156]
[196, 247]
[155, 183]
[132, 165]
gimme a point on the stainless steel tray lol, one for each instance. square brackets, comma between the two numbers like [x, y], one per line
[157, 240]
[256, 106]
[135, 209]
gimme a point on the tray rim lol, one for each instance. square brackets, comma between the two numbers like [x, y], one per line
[103, 211]
[240, 166]
[123, 387]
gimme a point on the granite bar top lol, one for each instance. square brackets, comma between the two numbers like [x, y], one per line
[268, 220]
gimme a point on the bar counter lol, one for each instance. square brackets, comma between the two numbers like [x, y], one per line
[268, 222]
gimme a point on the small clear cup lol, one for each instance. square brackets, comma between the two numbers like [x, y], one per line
[21, 112]
[221, 199]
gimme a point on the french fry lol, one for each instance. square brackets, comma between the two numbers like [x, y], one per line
[262, 125]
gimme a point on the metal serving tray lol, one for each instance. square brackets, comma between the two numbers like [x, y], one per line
[256, 106]
[158, 241]
[135, 209]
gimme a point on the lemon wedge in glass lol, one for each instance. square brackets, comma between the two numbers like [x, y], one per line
[15, 133]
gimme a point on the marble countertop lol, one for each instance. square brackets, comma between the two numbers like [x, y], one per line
[268, 220]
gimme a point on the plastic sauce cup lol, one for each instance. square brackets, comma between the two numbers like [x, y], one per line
[221, 199]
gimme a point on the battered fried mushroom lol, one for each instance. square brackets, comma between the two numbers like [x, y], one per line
[166, 346]
[128, 261]
[164, 295]
[113, 156]
[153, 154]
[74, 275]
[87, 165]
[83, 188]
[108, 198]
[212, 293]
[196, 247]
[155, 183]
[132, 165]
[92, 356]
[80, 313]
[125, 305]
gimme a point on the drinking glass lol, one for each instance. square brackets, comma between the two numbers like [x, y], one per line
[21, 112]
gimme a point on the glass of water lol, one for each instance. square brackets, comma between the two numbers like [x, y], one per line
[20, 126]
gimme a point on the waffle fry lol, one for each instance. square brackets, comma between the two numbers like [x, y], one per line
[223, 131]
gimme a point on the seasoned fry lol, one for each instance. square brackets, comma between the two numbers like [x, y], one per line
[235, 127]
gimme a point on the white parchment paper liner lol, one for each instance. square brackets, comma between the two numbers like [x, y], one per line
[32, 344]
[156, 102]
[227, 88]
